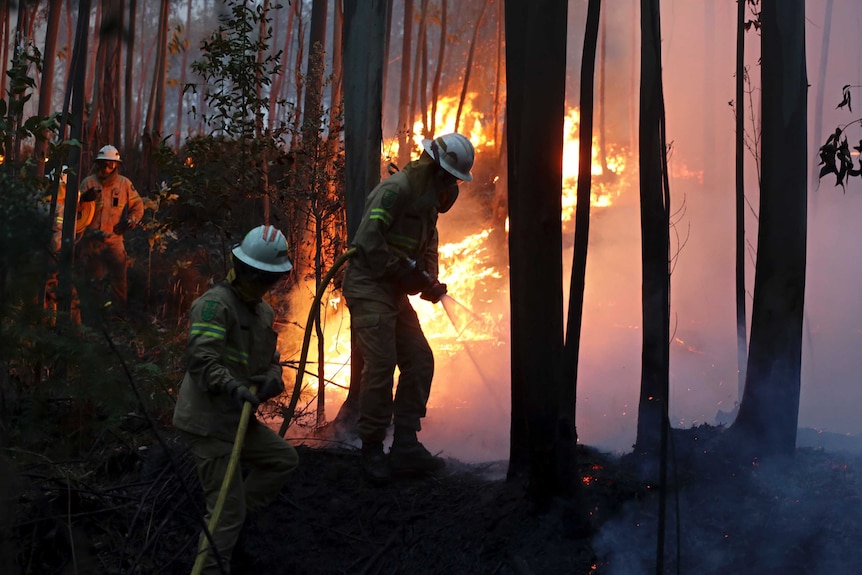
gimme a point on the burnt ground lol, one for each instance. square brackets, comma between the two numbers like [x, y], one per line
[130, 510]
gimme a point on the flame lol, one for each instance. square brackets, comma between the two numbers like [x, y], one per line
[603, 192]
[476, 126]
[466, 266]
[471, 123]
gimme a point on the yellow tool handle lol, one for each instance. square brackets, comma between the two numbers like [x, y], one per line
[203, 551]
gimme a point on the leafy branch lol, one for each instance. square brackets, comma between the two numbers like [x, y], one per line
[835, 155]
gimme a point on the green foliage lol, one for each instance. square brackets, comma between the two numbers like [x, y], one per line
[60, 389]
[236, 68]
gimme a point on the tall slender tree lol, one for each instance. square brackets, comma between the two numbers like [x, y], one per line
[567, 437]
[535, 57]
[655, 240]
[769, 410]
[46, 88]
[741, 316]
[405, 125]
[364, 41]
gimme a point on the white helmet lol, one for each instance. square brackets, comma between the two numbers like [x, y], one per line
[109, 153]
[264, 248]
[454, 153]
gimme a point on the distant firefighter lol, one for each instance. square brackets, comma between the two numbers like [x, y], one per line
[118, 208]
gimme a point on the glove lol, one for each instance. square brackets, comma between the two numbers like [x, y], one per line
[122, 227]
[413, 280]
[434, 293]
[269, 388]
[242, 394]
[88, 195]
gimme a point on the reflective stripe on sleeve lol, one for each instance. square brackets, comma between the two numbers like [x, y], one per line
[382, 215]
[236, 355]
[210, 329]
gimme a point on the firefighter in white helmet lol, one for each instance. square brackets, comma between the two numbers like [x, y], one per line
[232, 347]
[118, 208]
[396, 244]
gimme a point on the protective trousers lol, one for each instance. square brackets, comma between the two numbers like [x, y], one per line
[389, 335]
[106, 262]
[270, 460]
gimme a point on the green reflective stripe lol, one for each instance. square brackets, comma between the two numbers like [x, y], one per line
[213, 330]
[236, 355]
[402, 241]
[382, 215]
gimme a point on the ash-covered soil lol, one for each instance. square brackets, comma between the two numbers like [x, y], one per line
[130, 510]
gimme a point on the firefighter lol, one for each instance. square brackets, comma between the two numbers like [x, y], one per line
[118, 208]
[232, 347]
[396, 256]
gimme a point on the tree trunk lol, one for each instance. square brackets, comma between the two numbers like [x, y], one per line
[161, 70]
[178, 133]
[128, 133]
[769, 409]
[741, 321]
[387, 38]
[5, 16]
[536, 57]
[405, 125]
[364, 39]
[469, 65]
[435, 91]
[46, 86]
[277, 89]
[419, 67]
[567, 437]
[78, 90]
[821, 86]
[655, 238]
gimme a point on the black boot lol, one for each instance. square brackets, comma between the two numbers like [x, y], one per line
[407, 455]
[375, 467]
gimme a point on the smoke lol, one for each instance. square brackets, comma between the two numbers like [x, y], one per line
[468, 412]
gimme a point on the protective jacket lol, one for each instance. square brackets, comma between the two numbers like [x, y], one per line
[116, 200]
[400, 221]
[229, 340]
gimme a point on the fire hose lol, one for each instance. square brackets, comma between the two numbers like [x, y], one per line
[287, 413]
[204, 549]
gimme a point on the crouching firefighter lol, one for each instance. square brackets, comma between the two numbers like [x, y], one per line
[396, 256]
[232, 359]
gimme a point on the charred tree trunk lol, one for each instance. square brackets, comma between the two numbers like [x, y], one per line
[655, 238]
[741, 321]
[767, 420]
[364, 39]
[387, 38]
[567, 436]
[76, 120]
[821, 86]
[536, 57]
